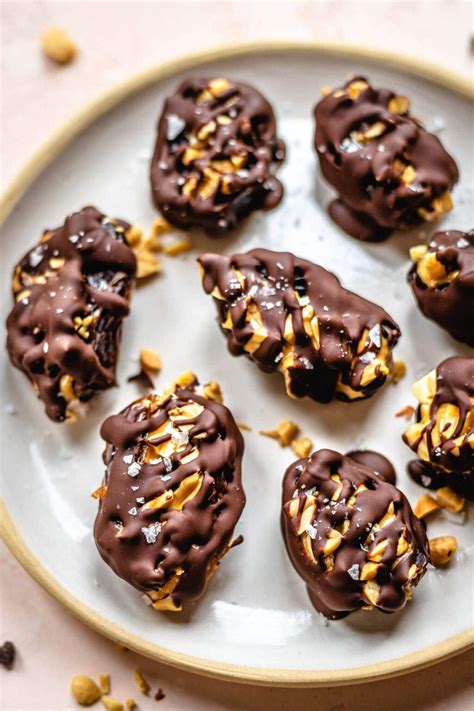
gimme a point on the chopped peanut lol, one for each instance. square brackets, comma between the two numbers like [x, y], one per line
[425, 506]
[442, 550]
[285, 433]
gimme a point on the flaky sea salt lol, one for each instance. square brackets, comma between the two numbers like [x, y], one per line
[128, 458]
[175, 125]
[354, 571]
[133, 511]
[375, 335]
[179, 438]
[152, 532]
[134, 469]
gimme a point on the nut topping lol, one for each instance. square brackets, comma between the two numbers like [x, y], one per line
[389, 172]
[217, 164]
[173, 491]
[292, 316]
[351, 535]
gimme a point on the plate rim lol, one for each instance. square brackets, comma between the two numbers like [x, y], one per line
[9, 532]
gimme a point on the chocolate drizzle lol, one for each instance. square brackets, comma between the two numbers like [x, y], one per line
[443, 436]
[388, 171]
[350, 535]
[216, 155]
[293, 316]
[173, 493]
[447, 266]
[380, 465]
[71, 293]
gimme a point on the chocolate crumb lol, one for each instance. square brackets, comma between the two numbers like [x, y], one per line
[142, 378]
[7, 654]
[159, 695]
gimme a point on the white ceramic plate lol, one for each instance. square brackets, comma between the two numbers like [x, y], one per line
[255, 621]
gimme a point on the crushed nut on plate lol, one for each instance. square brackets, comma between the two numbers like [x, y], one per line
[85, 690]
[442, 549]
[58, 45]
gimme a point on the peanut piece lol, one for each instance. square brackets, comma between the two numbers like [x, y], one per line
[150, 360]
[448, 499]
[58, 45]
[141, 682]
[104, 683]
[302, 447]
[285, 433]
[112, 704]
[178, 247]
[442, 550]
[425, 506]
[85, 690]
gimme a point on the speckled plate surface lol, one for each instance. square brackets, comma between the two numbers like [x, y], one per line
[255, 621]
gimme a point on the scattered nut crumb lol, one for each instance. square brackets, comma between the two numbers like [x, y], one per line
[302, 447]
[442, 549]
[213, 391]
[325, 90]
[178, 247]
[285, 433]
[407, 412]
[134, 236]
[112, 704]
[425, 506]
[141, 682]
[58, 45]
[85, 690]
[159, 695]
[399, 370]
[130, 704]
[150, 360]
[104, 683]
[160, 226]
[7, 654]
[147, 264]
[244, 427]
[448, 499]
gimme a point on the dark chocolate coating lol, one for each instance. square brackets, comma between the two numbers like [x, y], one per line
[380, 465]
[216, 155]
[81, 270]
[450, 302]
[443, 435]
[339, 344]
[178, 540]
[372, 526]
[366, 171]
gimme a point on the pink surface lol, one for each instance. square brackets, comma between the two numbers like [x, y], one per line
[116, 40]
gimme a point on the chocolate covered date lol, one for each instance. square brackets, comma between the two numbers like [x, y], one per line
[292, 316]
[442, 279]
[71, 294]
[389, 172]
[215, 155]
[351, 535]
[443, 434]
[172, 492]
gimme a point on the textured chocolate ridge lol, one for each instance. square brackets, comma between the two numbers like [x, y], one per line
[442, 280]
[388, 171]
[216, 154]
[293, 316]
[443, 435]
[170, 499]
[350, 535]
[71, 293]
